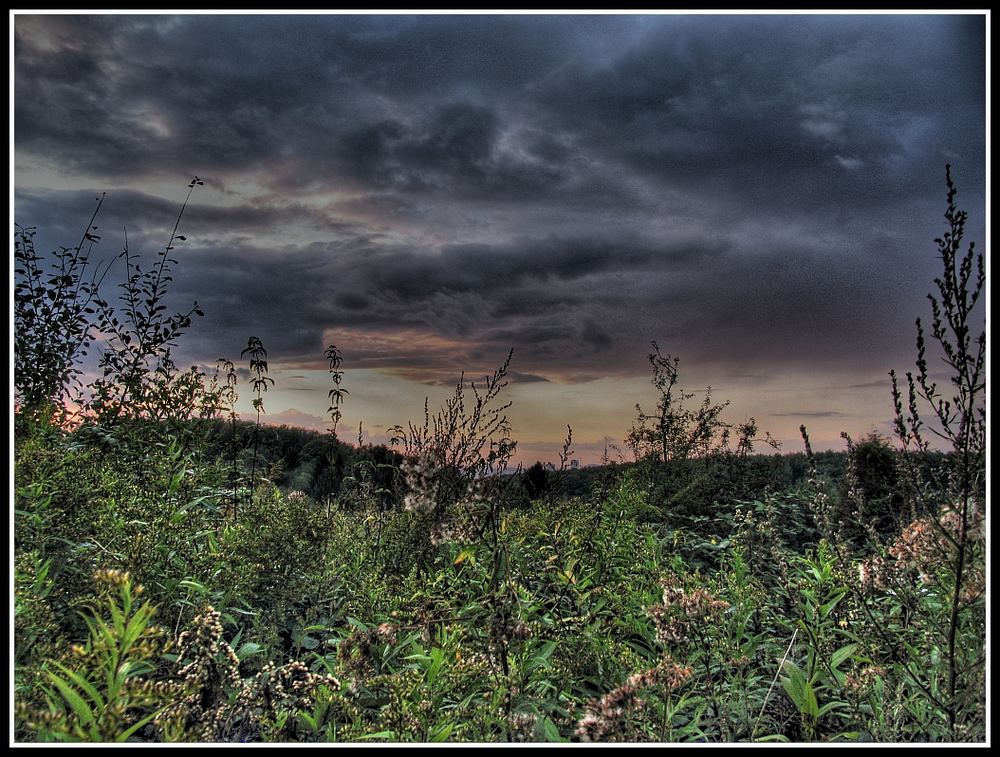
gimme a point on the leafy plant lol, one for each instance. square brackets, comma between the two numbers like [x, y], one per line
[138, 376]
[102, 690]
[53, 327]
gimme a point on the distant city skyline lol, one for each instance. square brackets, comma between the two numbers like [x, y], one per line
[759, 194]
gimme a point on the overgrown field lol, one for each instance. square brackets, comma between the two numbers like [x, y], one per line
[180, 575]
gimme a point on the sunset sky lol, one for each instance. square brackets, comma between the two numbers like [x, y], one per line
[758, 194]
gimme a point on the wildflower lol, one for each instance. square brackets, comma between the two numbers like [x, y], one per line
[862, 679]
[876, 574]
[666, 673]
[679, 610]
[520, 630]
[423, 480]
[608, 718]
[522, 726]
[452, 531]
[387, 631]
[928, 543]
[112, 577]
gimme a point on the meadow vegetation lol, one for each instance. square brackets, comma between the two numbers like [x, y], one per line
[182, 575]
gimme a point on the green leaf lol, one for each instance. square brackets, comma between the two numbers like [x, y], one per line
[248, 649]
[195, 586]
[442, 733]
[847, 736]
[390, 735]
[838, 657]
[81, 683]
[136, 625]
[73, 699]
[549, 730]
[799, 690]
[540, 658]
[437, 660]
[243, 612]
[829, 707]
[826, 609]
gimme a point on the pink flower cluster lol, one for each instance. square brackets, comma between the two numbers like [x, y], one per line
[607, 718]
[681, 609]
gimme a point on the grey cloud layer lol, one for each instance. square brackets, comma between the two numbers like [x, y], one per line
[751, 191]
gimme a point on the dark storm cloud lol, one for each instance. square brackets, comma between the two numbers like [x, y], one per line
[448, 378]
[400, 101]
[455, 151]
[756, 192]
[315, 102]
[595, 336]
[453, 292]
[789, 111]
[150, 219]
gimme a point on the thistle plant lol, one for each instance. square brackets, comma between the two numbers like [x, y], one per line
[959, 421]
[676, 432]
[454, 467]
[458, 452]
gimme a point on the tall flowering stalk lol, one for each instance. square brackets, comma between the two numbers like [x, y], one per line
[229, 396]
[454, 468]
[958, 418]
[259, 381]
[936, 566]
[337, 393]
[138, 375]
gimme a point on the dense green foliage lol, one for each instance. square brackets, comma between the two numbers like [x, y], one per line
[183, 576]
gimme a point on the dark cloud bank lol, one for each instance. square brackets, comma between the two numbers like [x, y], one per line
[758, 194]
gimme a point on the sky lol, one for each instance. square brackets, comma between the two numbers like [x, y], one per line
[759, 194]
